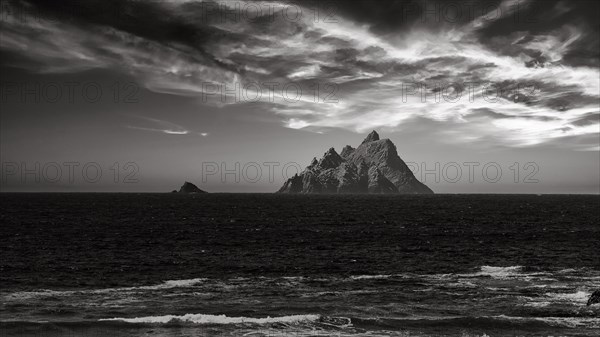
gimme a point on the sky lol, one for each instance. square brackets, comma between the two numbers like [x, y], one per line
[236, 96]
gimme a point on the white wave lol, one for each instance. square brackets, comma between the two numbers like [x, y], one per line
[571, 322]
[215, 319]
[423, 318]
[460, 284]
[484, 271]
[576, 297]
[497, 288]
[23, 295]
[176, 284]
[582, 270]
[370, 277]
[499, 272]
[537, 304]
[294, 278]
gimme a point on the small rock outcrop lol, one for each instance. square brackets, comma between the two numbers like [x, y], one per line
[595, 298]
[189, 188]
[373, 167]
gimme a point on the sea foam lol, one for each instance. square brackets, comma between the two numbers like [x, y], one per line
[23, 295]
[215, 319]
[570, 322]
[499, 272]
[580, 297]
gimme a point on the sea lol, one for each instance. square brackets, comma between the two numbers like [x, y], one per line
[124, 264]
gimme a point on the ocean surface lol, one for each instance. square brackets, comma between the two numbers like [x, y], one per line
[288, 265]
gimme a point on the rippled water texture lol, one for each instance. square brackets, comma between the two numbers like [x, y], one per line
[269, 265]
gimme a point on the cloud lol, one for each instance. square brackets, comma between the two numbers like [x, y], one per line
[158, 125]
[496, 82]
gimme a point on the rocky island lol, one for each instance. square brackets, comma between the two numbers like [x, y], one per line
[373, 167]
[189, 188]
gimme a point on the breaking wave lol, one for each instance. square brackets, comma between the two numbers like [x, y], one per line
[215, 319]
[568, 322]
[499, 272]
[579, 297]
[170, 284]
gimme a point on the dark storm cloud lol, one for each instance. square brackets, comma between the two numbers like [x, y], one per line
[543, 69]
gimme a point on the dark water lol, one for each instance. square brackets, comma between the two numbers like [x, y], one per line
[284, 265]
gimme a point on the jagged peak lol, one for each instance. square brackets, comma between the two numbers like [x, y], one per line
[373, 136]
[331, 152]
[330, 159]
[347, 150]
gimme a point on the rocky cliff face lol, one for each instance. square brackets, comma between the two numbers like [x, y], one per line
[373, 167]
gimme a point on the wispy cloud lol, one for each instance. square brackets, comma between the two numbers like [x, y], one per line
[160, 126]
